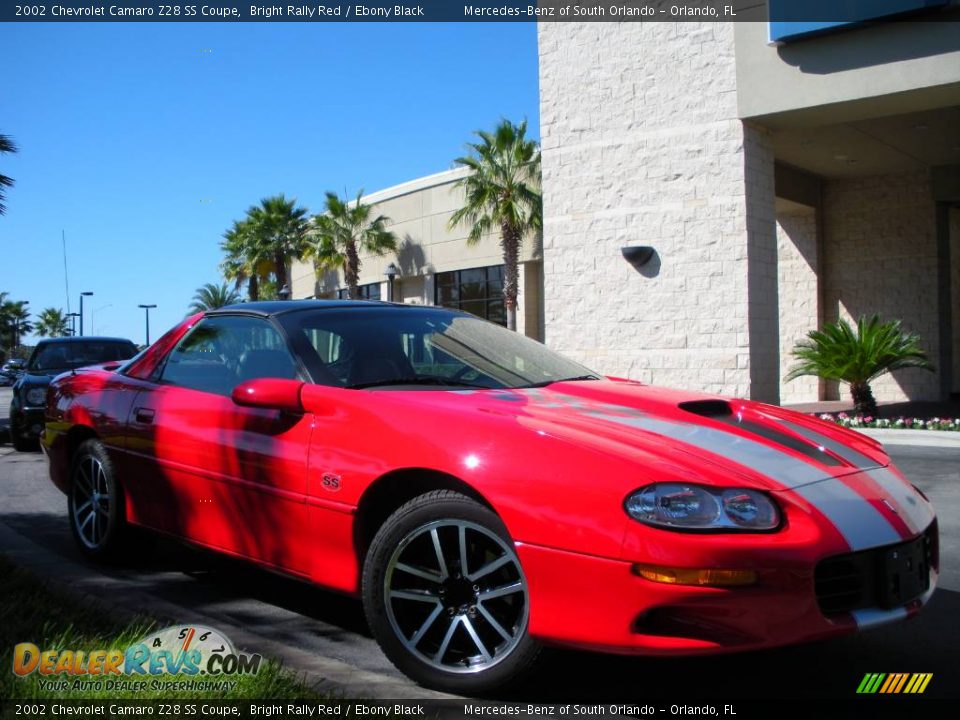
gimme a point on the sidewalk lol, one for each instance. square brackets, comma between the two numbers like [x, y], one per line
[919, 408]
[918, 438]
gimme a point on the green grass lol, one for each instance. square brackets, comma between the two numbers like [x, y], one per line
[32, 611]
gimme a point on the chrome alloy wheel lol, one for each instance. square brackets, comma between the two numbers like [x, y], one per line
[93, 502]
[456, 596]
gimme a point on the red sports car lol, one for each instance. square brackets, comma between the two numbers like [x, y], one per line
[484, 495]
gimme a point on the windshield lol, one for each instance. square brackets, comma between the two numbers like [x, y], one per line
[67, 355]
[358, 348]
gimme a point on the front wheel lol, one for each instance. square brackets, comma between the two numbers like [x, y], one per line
[446, 597]
[95, 502]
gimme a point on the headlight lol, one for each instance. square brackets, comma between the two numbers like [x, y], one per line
[36, 396]
[683, 506]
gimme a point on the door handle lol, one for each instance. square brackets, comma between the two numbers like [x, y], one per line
[144, 415]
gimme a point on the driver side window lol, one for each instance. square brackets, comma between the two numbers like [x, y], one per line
[222, 352]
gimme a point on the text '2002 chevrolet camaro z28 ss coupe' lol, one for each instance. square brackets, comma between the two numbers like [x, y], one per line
[484, 495]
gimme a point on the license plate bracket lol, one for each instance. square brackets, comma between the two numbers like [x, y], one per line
[905, 573]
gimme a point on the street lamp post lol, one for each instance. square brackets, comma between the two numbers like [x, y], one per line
[146, 309]
[73, 322]
[391, 272]
[82, 295]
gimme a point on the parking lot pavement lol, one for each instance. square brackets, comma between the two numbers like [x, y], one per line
[5, 396]
[326, 635]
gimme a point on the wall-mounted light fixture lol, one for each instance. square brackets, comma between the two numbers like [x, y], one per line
[637, 255]
[391, 272]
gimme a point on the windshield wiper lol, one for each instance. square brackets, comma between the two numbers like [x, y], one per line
[413, 381]
[569, 379]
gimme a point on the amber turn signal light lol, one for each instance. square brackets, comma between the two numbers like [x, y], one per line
[694, 576]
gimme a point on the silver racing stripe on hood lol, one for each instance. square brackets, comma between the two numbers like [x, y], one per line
[785, 469]
[838, 448]
[912, 509]
[916, 512]
[859, 522]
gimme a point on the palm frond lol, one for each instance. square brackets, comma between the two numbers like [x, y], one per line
[839, 352]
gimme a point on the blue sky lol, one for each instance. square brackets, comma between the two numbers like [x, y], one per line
[144, 141]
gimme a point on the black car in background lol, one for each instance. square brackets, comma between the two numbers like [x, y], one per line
[49, 359]
[10, 371]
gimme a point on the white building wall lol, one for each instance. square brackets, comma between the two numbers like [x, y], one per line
[642, 146]
[798, 294]
[881, 257]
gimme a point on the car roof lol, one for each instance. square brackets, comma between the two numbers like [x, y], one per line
[281, 307]
[84, 338]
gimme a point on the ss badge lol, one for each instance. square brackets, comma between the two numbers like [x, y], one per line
[331, 482]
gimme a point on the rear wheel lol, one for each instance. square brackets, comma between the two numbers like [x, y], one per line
[446, 597]
[95, 502]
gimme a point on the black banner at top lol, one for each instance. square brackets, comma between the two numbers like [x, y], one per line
[451, 10]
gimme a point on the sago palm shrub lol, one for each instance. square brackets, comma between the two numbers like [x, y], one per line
[858, 356]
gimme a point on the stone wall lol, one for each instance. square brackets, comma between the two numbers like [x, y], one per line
[642, 146]
[798, 294]
[880, 256]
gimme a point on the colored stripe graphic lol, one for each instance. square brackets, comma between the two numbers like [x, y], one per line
[894, 683]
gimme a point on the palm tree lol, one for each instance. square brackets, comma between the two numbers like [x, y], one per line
[52, 323]
[211, 297]
[15, 320]
[246, 260]
[502, 192]
[6, 146]
[280, 227]
[837, 352]
[345, 230]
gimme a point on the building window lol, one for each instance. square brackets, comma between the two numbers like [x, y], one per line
[370, 291]
[478, 291]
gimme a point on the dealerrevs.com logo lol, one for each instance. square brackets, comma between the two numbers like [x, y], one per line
[192, 651]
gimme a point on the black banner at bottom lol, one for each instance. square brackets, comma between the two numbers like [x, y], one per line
[742, 709]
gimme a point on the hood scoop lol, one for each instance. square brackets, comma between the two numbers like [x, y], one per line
[720, 411]
[707, 408]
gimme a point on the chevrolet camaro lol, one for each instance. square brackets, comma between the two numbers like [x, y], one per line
[483, 495]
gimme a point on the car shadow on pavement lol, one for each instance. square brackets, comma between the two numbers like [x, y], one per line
[200, 579]
[288, 608]
[826, 669]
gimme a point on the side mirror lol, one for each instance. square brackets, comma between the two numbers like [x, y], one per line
[269, 394]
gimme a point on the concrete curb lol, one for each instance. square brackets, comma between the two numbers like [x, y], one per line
[326, 675]
[919, 438]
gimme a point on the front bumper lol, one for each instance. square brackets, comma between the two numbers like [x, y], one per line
[601, 604]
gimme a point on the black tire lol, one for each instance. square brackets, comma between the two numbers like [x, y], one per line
[457, 604]
[92, 488]
[22, 444]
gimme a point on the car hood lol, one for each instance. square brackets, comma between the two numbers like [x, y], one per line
[742, 441]
[35, 379]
